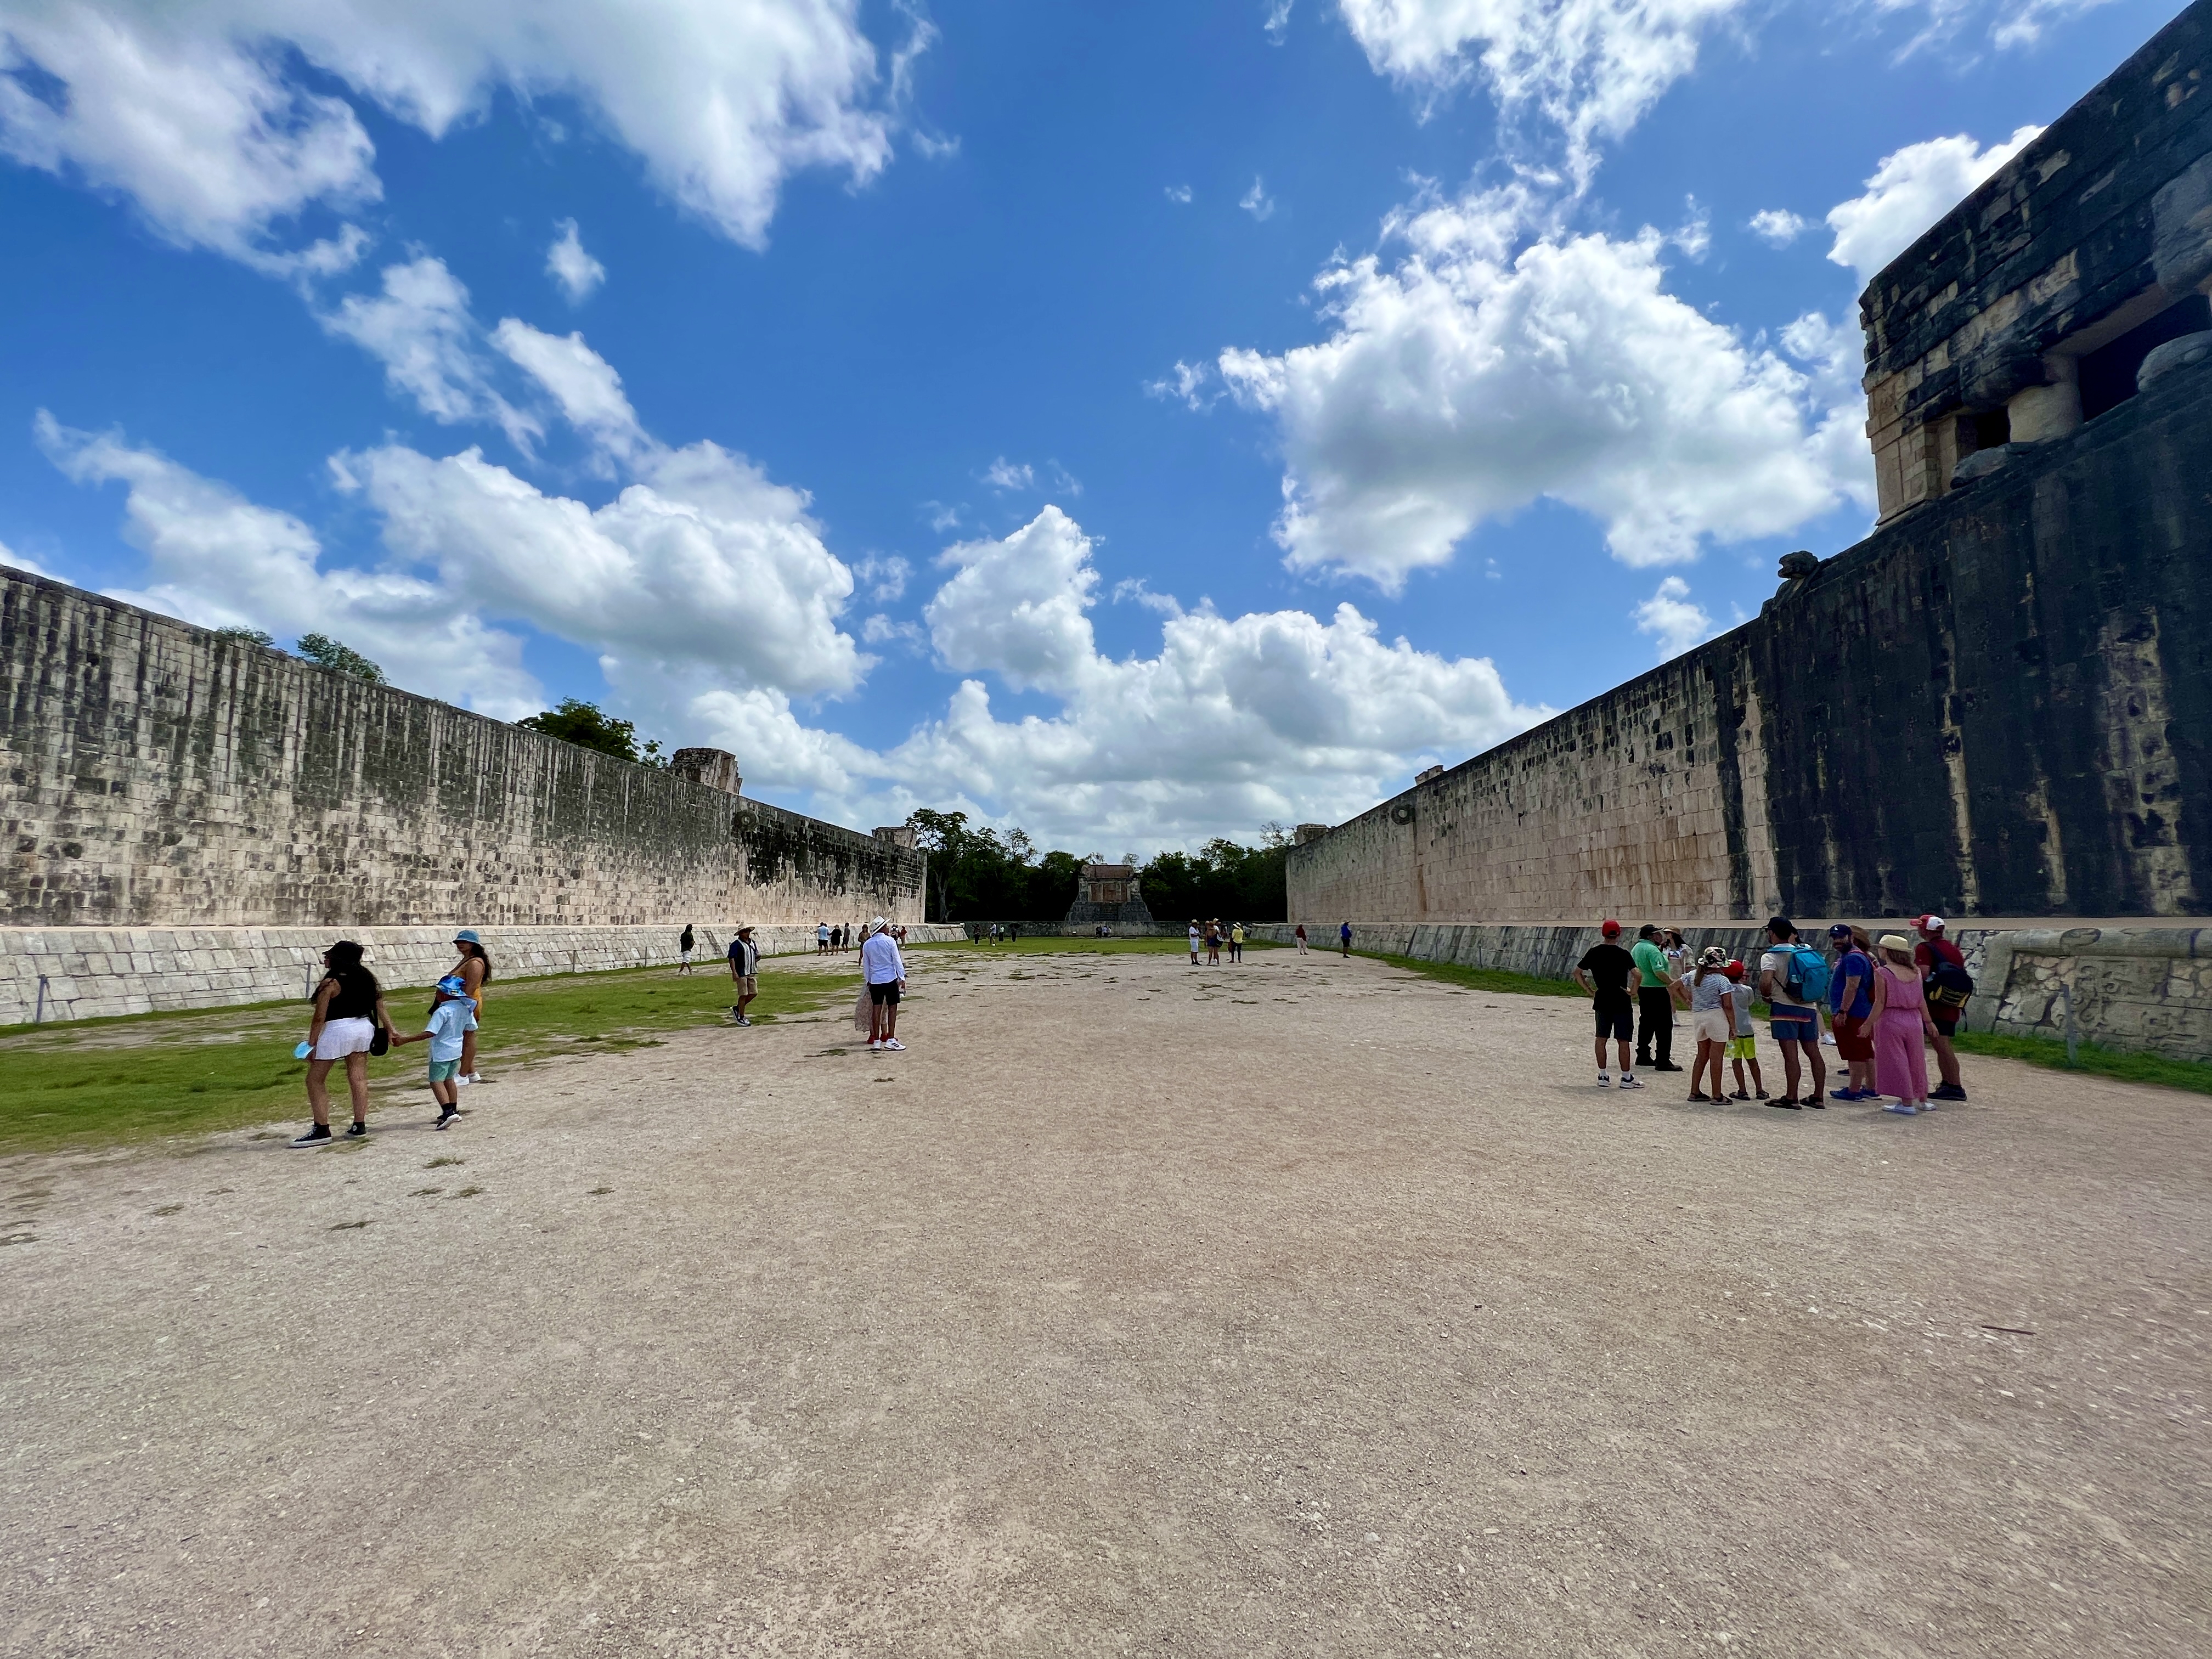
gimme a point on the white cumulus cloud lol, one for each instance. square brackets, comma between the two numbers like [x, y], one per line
[1005, 475]
[1910, 190]
[583, 384]
[567, 264]
[220, 561]
[1590, 69]
[1779, 226]
[1670, 616]
[1256, 201]
[16, 560]
[419, 327]
[1179, 194]
[196, 109]
[1492, 366]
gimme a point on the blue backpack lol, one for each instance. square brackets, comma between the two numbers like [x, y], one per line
[1808, 980]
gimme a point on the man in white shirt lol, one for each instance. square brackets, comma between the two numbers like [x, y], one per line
[884, 970]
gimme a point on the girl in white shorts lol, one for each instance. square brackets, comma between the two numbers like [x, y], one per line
[349, 1014]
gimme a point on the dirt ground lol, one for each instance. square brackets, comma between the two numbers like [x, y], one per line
[1302, 1307]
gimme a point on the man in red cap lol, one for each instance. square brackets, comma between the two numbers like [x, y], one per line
[1608, 977]
[1935, 952]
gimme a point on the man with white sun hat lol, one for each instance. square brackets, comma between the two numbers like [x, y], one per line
[884, 970]
[1943, 976]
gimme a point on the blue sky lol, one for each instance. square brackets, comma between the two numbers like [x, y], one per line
[1135, 423]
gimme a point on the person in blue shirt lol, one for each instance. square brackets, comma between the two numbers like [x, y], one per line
[1343, 939]
[1850, 1006]
[452, 1017]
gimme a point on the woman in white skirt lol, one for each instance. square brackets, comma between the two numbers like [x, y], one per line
[348, 1013]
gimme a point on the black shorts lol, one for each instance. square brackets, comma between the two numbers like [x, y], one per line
[882, 993]
[1947, 1019]
[1616, 1019]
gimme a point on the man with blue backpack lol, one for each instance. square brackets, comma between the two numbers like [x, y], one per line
[1793, 977]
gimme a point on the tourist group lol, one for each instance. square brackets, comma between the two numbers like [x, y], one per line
[1881, 1003]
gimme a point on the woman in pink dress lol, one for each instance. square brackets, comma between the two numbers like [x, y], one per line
[1901, 1022]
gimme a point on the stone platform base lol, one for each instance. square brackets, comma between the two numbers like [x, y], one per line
[88, 973]
[2132, 984]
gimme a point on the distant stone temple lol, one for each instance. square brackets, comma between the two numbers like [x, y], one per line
[1108, 893]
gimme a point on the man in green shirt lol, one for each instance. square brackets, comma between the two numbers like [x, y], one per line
[1655, 1002]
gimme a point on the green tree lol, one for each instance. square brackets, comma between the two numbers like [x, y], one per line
[1222, 878]
[326, 652]
[244, 636]
[978, 874]
[589, 726]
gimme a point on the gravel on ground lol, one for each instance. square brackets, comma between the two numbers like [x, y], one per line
[1301, 1306]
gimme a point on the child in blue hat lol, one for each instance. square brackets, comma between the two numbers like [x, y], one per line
[452, 1017]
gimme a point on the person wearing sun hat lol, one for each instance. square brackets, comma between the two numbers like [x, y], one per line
[474, 968]
[1901, 1020]
[1937, 956]
[884, 970]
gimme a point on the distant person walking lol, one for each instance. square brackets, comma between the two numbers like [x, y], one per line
[349, 1014]
[683, 944]
[1237, 941]
[1850, 1011]
[884, 970]
[1300, 936]
[452, 1014]
[1901, 1022]
[1785, 980]
[1655, 1003]
[1743, 1045]
[475, 970]
[1713, 1019]
[1608, 977]
[1946, 985]
[1343, 939]
[745, 973]
[1194, 944]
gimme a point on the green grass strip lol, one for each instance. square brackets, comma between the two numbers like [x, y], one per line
[2196, 1075]
[111, 1083]
[1479, 979]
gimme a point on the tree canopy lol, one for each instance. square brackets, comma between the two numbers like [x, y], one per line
[340, 659]
[978, 873]
[589, 726]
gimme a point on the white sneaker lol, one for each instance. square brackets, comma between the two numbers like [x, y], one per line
[1605, 1079]
[463, 1082]
[1630, 1082]
[873, 1045]
[1827, 1039]
[893, 1043]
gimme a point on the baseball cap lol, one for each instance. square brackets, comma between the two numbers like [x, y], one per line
[467, 936]
[1931, 924]
[1612, 929]
[1840, 930]
[1733, 969]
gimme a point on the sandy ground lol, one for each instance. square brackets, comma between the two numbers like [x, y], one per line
[1301, 1308]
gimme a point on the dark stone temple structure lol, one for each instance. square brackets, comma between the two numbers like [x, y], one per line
[2000, 703]
[1106, 894]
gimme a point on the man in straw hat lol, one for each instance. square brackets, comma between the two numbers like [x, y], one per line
[745, 973]
[885, 972]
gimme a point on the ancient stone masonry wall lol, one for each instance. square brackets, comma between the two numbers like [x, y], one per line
[154, 774]
[2101, 227]
[1999, 705]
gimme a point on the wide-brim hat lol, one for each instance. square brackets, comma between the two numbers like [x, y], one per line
[467, 936]
[1894, 942]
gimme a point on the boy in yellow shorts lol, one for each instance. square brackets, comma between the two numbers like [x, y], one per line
[1743, 1046]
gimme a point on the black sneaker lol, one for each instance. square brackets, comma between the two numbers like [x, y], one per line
[1787, 1104]
[320, 1135]
[1947, 1091]
[356, 1130]
[446, 1118]
[1666, 1066]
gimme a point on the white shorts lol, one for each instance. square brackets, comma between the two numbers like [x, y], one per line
[1714, 1025]
[342, 1037]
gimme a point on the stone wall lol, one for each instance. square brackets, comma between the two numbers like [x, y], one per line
[153, 774]
[1988, 330]
[1998, 705]
[94, 973]
[2145, 989]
